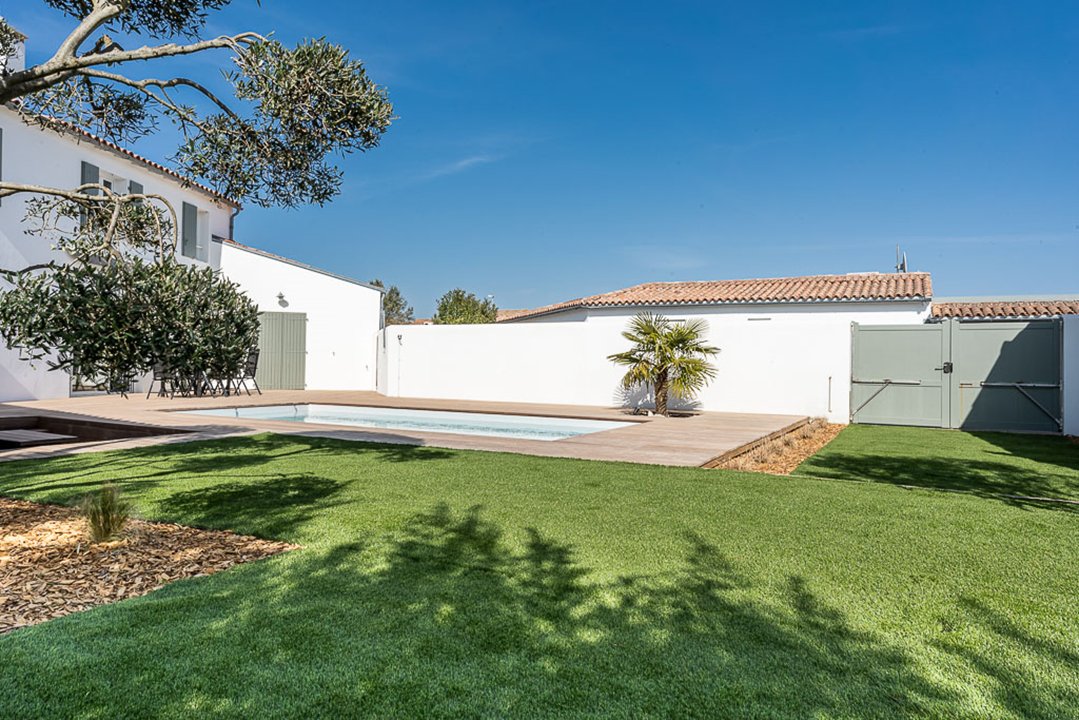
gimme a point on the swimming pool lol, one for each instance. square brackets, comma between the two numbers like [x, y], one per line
[525, 427]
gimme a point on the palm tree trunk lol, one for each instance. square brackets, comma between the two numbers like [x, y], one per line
[661, 394]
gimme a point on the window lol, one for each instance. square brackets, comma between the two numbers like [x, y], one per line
[93, 175]
[194, 233]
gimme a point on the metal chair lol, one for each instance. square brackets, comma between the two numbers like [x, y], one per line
[251, 366]
[164, 378]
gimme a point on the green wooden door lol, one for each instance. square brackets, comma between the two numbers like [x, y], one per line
[897, 375]
[969, 375]
[1007, 376]
[282, 351]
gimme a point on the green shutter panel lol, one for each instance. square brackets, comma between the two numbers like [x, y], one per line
[91, 175]
[135, 188]
[189, 232]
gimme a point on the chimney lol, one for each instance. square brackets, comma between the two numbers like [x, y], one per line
[16, 61]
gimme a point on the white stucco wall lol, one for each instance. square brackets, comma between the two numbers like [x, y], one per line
[33, 156]
[343, 317]
[1071, 375]
[774, 358]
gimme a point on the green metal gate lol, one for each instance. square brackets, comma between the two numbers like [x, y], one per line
[970, 375]
[282, 351]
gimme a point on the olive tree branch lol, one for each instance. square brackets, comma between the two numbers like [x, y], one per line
[96, 194]
[144, 87]
[102, 12]
[58, 69]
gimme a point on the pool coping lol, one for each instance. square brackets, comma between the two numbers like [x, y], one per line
[629, 416]
[692, 440]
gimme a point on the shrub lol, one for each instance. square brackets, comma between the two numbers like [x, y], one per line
[106, 513]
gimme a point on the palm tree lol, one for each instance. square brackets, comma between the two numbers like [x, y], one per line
[669, 357]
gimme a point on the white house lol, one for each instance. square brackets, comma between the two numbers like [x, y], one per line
[330, 322]
[785, 343]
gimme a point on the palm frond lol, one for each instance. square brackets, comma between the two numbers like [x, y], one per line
[660, 347]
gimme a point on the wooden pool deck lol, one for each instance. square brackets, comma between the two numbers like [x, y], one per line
[692, 441]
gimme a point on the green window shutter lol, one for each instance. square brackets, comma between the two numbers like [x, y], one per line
[91, 174]
[189, 231]
[135, 188]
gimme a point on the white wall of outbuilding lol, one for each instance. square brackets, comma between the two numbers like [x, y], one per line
[782, 358]
[343, 316]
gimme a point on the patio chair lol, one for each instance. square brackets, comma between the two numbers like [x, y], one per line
[250, 367]
[164, 378]
[215, 383]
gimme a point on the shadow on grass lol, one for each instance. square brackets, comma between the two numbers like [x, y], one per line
[985, 478]
[66, 479]
[451, 618]
[1046, 449]
[1014, 681]
[272, 507]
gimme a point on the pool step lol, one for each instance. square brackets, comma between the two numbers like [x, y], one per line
[30, 438]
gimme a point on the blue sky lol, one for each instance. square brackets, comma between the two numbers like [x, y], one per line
[547, 150]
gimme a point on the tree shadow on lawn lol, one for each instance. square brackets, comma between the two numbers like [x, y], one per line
[449, 618]
[980, 477]
[1046, 449]
[65, 479]
[1013, 680]
[268, 507]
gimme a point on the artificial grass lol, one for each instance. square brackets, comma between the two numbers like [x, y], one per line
[984, 463]
[449, 583]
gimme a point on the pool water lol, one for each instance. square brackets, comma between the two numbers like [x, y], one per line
[526, 427]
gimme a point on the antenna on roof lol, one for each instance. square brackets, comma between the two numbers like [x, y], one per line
[900, 260]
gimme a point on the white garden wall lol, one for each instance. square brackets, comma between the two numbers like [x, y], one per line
[343, 317]
[774, 359]
[1071, 375]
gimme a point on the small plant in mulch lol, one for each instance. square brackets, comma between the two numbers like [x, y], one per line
[47, 569]
[106, 513]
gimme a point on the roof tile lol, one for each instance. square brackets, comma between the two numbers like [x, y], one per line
[811, 288]
[1004, 309]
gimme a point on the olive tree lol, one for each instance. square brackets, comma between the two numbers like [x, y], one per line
[271, 139]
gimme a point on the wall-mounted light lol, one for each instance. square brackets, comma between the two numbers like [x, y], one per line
[281, 299]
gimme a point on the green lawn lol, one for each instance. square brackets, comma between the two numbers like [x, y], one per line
[448, 583]
[985, 463]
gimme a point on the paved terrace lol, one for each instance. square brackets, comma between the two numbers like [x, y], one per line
[688, 441]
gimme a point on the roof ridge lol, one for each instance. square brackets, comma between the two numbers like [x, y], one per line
[867, 273]
[850, 287]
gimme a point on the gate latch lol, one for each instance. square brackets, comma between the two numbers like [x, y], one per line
[947, 368]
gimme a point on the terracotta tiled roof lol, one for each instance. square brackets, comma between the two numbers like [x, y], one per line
[79, 134]
[504, 315]
[855, 287]
[1001, 309]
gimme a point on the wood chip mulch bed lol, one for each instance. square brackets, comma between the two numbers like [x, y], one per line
[49, 567]
[782, 455]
